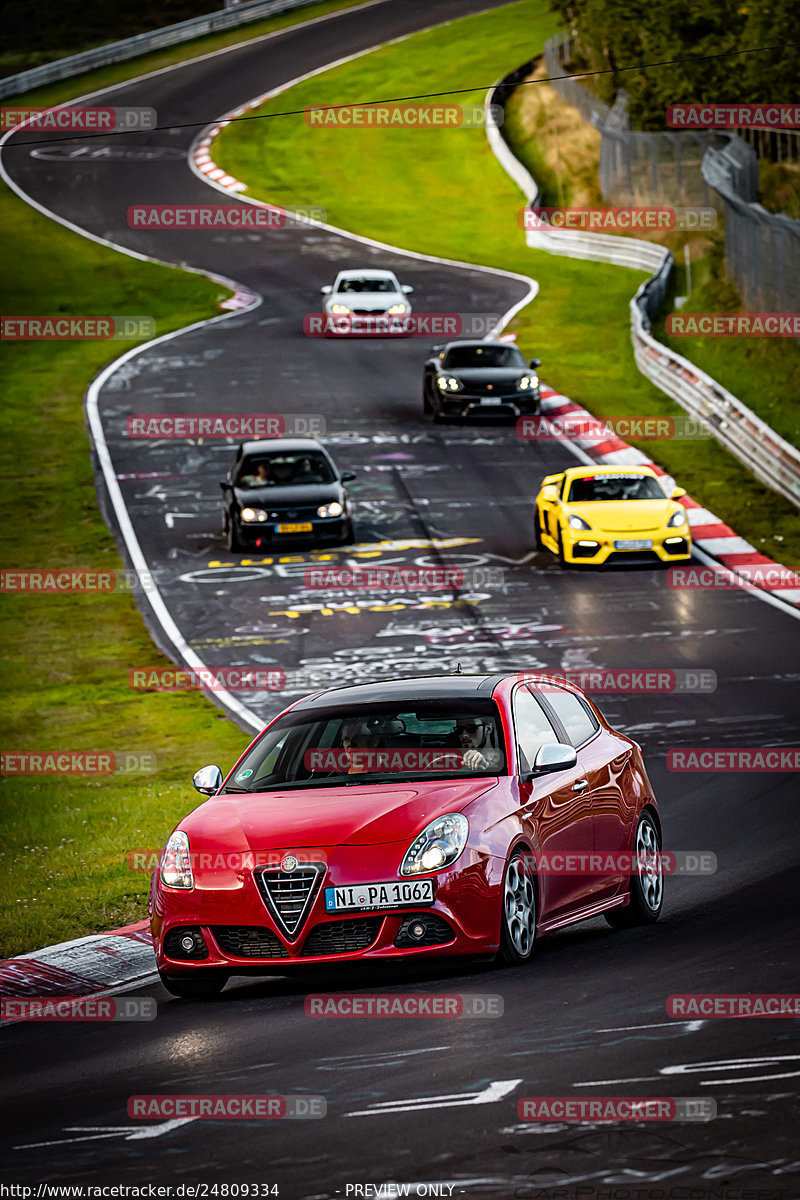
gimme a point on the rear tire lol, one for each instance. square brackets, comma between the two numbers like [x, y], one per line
[647, 884]
[427, 407]
[518, 913]
[202, 986]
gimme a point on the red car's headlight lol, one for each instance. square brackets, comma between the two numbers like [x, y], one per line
[176, 862]
[439, 845]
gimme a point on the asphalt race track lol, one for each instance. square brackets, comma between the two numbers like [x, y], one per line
[425, 1100]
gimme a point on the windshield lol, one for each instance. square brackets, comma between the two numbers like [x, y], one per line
[366, 284]
[484, 356]
[615, 487]
[381, 742]
[285, 470]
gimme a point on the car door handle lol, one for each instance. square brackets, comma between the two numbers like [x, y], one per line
[581, 785]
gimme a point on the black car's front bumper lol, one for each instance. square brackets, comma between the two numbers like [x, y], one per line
[518, 404]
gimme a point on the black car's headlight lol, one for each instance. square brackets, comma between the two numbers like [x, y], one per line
[439, 845]
[253, 516]
[677, 518]
[528, 383]
[176, 862]
[449, 383]
[334, 509]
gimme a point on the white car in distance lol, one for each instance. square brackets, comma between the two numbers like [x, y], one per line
[366, 293]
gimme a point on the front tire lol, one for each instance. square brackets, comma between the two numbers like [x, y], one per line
[232, 541]
[561, 558]
[518, 915]
[202, 986]
[537, 530]
[647, 883]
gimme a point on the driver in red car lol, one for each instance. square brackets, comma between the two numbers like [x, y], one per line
[475, 737]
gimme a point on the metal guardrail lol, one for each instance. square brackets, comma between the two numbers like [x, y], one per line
[762, 249]
[774, 461]
[141, 43]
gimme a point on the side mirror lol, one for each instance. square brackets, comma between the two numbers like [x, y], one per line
[536, 362]
[407, 288]
[346, 476]
[207, 780]
[326, 291]
[223, 483]
[678, 492]
[553, 756]
[550, 492]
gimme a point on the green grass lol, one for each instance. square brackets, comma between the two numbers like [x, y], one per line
[103, 77]
[442, 192]
[65, 841]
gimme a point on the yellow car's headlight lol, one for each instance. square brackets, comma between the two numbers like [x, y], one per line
[677, 518]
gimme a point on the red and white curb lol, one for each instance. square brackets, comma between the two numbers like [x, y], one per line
[96, 965]
[709, 533]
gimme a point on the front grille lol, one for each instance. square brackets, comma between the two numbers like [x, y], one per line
[368, 312]
[304, 513]
[342, 937]
[437, 931]
[174, 949]
[288, 895]
[248, 941]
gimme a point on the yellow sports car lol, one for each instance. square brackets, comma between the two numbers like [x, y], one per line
[602, 514]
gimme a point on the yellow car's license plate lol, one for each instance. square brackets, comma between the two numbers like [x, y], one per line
[297, 527]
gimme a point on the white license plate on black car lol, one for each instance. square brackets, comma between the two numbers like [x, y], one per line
[379, 895]
[634, 544]
[491, 400]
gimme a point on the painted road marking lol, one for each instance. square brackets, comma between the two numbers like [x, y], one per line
[490, 1095]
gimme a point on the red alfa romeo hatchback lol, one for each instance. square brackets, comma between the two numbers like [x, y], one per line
[435, 816]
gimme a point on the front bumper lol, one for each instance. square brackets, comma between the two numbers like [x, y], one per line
[322, 531]
[592, 547]
[457, 404]
[239, 935]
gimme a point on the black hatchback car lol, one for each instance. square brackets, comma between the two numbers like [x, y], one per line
[285, 490]
[480, 379]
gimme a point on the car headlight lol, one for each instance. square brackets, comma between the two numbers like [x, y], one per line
[176, 862]
[449, 383]
[527, 382]
[253, 514]
[439, 845]
[396, 309]
[334, 509]
[576, 522]
[677, 518]
[339, 308]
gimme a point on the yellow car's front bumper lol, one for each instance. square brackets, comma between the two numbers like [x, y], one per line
[595, 546]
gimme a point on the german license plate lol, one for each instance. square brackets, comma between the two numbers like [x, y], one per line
[634, 544]
[379, 895]
[296, 527]
[491, 400]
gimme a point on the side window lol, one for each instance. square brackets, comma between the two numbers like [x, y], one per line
[577, 720]
[533, 729]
